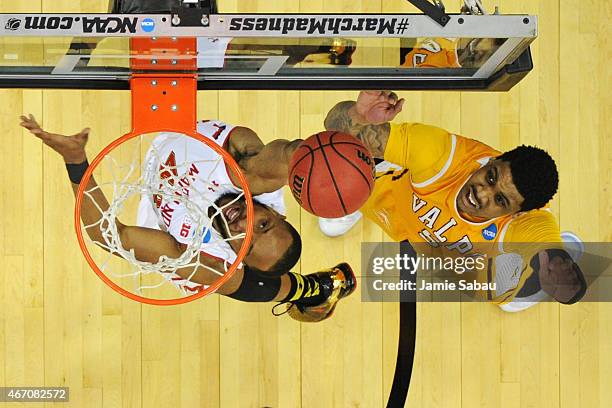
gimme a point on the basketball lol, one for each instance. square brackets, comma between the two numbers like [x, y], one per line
[331, 174]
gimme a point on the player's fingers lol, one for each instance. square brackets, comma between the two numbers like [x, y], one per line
[25, 119]
[383, 96]
[568, 264]
[393, 110]
[381, 106]
[29, 120]
[555, 263]
[399, 105]
[371, 95]
[28, 126]
[543, 258]
[393, 97]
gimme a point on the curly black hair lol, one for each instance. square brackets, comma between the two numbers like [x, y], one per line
[534, 174]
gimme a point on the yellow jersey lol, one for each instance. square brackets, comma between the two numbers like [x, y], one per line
[418, 202]
[433, 53]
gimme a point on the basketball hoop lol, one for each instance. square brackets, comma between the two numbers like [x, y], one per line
[131, 185]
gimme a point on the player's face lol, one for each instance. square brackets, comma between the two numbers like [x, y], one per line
[271, 235]
[490, 192]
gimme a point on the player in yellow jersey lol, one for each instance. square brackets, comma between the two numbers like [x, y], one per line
[432, 53]
[450, 52]
[454, 192]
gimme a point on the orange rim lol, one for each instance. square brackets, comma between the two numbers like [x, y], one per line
[229, 160]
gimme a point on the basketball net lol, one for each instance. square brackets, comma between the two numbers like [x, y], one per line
[158, 180]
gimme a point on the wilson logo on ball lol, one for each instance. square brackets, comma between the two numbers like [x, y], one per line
[298, 183]
[364, 157]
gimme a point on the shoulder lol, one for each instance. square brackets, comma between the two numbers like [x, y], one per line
[241, 132]
[542, 216]
[533, 226]
[243, 141]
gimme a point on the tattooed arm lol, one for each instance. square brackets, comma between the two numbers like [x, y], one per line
[265, 166]
[367, 118]
[342, 117]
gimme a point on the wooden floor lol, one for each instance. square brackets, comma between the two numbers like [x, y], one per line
[60, 326]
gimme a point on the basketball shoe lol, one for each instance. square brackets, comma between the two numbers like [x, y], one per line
[335, 283]
[573, 245]
[335, 227]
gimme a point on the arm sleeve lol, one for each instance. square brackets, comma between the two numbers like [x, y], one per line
[422, 149]
[526, 236]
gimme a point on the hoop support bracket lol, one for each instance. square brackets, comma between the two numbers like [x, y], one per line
[164, 88]
[438, 14]
[193, 13]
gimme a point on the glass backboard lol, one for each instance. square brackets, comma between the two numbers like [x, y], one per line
[272, 51]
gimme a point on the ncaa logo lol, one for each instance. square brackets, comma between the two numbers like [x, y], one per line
[490, 232]
[148, 25]
[12, 24]
[207, 236]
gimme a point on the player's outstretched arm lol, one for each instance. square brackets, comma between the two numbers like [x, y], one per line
[72, 150]
[266, 167]
[148, 244]
[367, 118]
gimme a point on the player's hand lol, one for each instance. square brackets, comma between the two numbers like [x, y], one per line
[71, 148]
[376, 107]
[556, 275]
[557, 264]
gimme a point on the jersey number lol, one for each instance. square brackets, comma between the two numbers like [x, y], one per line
[220, 129]
[185, 230]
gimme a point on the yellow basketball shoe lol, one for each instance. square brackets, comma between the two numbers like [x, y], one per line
[335, 283]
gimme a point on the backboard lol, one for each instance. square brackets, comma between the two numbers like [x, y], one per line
[290, 51]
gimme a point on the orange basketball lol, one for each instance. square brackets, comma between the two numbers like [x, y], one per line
[331, 174]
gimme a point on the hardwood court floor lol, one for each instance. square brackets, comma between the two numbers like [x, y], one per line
[59, 325]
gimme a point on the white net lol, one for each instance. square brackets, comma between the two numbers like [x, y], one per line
[168, 187]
